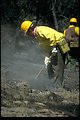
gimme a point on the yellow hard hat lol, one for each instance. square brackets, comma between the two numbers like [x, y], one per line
[26, 25]
[73, 20]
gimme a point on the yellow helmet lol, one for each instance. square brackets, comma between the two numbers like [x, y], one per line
[26, 25]
[73, 20]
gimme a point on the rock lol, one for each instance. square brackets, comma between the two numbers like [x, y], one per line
[17, 103]
[41, 104]
[25, 103]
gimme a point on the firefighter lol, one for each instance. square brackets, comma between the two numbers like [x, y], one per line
[51, 42]
[72, 38]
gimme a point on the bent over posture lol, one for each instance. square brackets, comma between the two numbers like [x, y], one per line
[51, 41]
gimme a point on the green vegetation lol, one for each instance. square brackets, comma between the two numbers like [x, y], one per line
[55, 13]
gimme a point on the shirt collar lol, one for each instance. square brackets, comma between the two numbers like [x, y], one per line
[71, 26]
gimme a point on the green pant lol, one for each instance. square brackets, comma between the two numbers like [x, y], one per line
[60, 69]
[56, 68]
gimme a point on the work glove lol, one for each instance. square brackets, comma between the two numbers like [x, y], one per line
[47, 61]
[54, 58]
[54, 50]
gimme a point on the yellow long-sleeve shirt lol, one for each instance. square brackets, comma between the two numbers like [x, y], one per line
[47, 35]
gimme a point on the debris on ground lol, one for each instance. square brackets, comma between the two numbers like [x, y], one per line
[19, 100]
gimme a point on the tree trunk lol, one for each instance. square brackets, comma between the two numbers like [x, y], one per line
[54, 15]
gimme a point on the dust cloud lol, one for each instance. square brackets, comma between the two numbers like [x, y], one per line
[22, 57]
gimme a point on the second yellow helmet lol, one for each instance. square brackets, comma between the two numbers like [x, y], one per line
[73, 20]
[26, 25]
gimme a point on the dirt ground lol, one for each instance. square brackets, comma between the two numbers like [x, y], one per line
[24, 96]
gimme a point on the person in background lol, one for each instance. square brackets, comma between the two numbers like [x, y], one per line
[53, 44]
[72, 38]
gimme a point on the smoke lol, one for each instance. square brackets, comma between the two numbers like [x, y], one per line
[13, 40]
[22, 57]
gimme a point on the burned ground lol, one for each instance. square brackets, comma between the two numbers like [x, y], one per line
[22, 95]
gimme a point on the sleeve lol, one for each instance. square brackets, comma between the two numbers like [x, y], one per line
[53, 43]
[53, 40]
[77, 30]
[64, 32]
